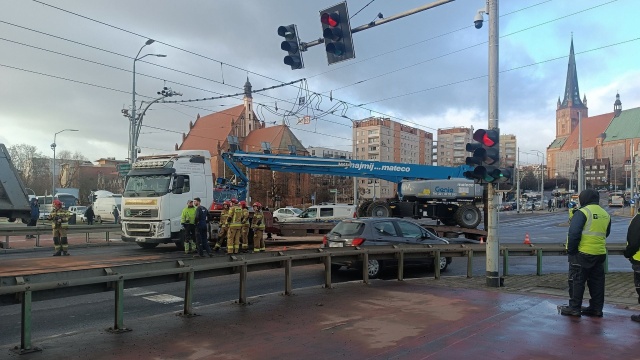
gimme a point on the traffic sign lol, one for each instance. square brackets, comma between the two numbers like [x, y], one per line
[123, 169]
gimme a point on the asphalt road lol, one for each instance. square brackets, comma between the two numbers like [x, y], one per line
[64, 317]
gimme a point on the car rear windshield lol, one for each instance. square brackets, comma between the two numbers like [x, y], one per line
[349, 228]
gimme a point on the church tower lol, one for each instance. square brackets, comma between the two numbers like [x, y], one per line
[567, 111]
[248, 122]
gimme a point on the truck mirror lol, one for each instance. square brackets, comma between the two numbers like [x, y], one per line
[180, 182]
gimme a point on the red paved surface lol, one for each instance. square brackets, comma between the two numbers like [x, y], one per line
[385, 320]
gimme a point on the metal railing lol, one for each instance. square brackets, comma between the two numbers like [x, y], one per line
[25, 289]
[37, 231]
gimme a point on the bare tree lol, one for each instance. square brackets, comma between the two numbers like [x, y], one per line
[71, 163]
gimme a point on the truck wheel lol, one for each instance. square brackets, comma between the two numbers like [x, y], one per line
[147, 245]
[379, 209]
[468, 216]
[362, 209]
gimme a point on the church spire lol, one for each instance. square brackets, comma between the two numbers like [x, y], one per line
[247, 89]
[571, 89]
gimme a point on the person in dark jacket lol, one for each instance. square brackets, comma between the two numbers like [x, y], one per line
[202, 220]
[90, 215]
[588, 230]
[632, 252]
[35, 214]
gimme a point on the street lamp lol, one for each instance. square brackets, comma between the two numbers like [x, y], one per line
[556, 180]
[132, 119]
[541, 177]
[53, 168]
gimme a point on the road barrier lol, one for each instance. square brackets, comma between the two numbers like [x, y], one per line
[8, 231]
[29, 288]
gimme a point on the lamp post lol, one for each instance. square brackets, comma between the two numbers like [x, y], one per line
[133, 119]
[53, 168]
[556, 180]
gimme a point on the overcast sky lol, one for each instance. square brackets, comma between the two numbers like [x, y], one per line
[427, 70]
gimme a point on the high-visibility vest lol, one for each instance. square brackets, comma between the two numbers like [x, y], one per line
[635, 256]
[594, 232]
[235, 217]
[224, 215]
[258, 220]
[188, 215]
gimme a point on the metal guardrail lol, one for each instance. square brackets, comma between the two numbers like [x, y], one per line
[8, 231]
[25, 289]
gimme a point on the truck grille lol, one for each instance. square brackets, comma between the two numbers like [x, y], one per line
[141, 213]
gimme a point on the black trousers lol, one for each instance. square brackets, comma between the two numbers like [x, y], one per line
[636, 278]
[203, 242]
[589, 269]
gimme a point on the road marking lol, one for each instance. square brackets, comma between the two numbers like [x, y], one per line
[138, 292]
[164, 298]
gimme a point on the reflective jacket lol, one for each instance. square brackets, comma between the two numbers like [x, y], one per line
[188, 215]
[59, 218]
[588, 231]
[632, 251]
[224, 215]
[245, 217]
[235, 217]
[258, 220]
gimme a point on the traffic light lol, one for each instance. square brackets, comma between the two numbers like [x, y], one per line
[291, 45]
[486, 158]
[336, 32]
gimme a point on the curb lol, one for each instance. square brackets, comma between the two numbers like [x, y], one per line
[71, 246]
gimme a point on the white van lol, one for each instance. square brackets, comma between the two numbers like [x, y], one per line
[103, 208]
[320, 213]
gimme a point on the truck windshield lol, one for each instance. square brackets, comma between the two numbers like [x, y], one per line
[148, 185]
[66, 199]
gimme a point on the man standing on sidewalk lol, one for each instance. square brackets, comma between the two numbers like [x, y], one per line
[590, 226]
[202, 222]
[632, 252]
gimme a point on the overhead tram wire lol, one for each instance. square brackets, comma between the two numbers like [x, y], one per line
[206, 57]
[465, 48]
[233, 66]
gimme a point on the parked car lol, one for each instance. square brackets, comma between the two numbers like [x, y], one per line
[382, 231]
[287, 212]
[324, 213]
[79, 212]
[43, 215]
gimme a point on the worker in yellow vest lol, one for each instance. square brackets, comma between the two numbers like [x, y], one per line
[224, 227]
[234, 220]
[590, 226]
[245, 227]
[258, 226]
[632, 252]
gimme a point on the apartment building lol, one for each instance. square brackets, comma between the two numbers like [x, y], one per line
[328, 153]
[451, 145]
[382, 139]
[508, 150]
[330, 188]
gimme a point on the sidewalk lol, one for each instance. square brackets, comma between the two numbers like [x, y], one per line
[452, 318]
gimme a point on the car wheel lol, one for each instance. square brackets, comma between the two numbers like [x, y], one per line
[443, 263]
[147, 245]
[374, 269]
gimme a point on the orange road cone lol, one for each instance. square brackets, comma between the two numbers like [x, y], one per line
[526, 239]
[481, 240]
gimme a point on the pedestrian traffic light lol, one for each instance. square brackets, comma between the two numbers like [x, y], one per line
[485, 158]
[291, 45]
[336, 32]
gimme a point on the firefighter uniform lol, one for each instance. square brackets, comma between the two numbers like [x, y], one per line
[245, 229]
[257, 224]
[188, 221]
[59, 222]
[235, 229]
[223, 232]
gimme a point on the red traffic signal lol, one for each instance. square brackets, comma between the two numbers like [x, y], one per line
[331, 19]
[487, 138]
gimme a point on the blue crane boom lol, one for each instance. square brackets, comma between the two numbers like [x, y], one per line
[393, 172]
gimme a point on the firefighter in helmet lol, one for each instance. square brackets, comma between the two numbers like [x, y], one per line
[223, 232]
[258, 225]
[234, 232]
[245, 226]
[59, 222]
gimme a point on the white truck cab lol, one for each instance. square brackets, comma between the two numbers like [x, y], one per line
[158, 187]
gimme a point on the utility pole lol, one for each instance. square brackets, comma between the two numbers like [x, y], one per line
[493, 242]
[580, 165]
[633, 179]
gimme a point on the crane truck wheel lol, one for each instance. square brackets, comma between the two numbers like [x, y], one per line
[379, 209]
[468, 216]
[362, 209]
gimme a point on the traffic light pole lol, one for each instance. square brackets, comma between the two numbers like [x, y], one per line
[493, 242]
[305, 45]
